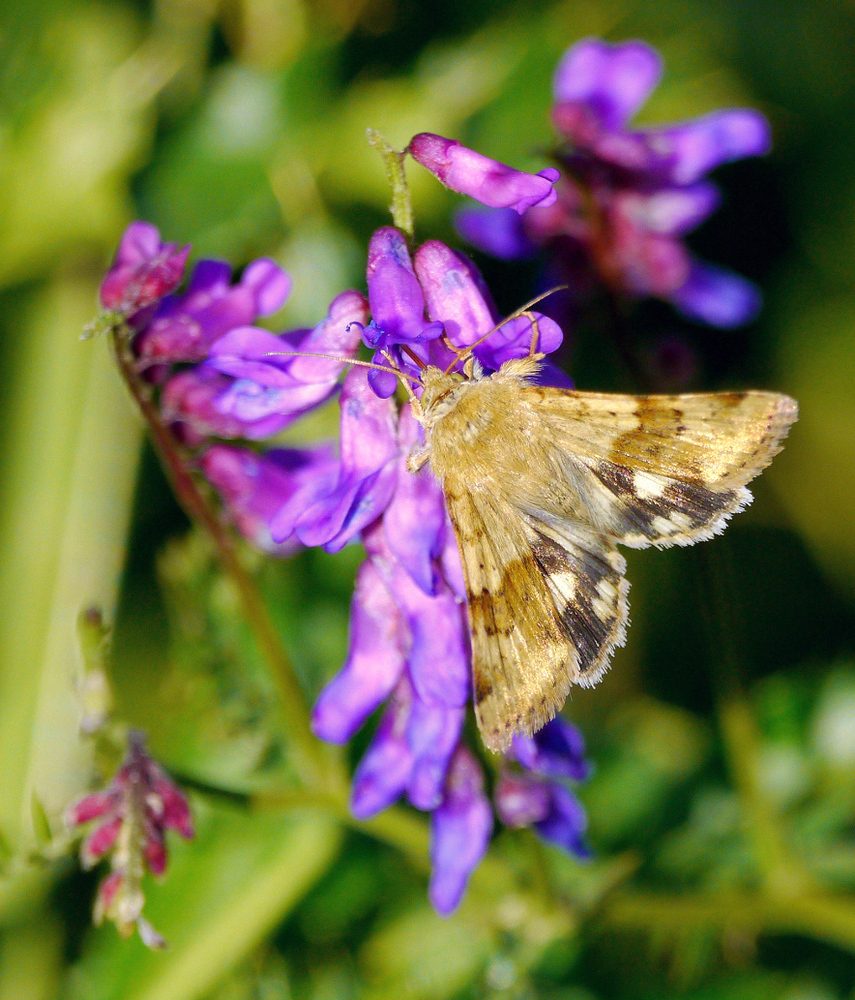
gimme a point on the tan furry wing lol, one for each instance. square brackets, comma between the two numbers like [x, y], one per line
[546, 608]
[657, 470]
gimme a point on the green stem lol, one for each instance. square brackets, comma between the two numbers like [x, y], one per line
[313, 762]
[823, 918]
[781, 874]
[401, 207]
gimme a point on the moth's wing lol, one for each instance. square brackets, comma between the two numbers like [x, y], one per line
[658, 470]
[546, 607]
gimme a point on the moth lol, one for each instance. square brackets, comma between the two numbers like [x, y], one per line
[542, 485]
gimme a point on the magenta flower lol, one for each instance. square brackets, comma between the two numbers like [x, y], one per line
[144, 271]
[488, 181]
[627, 197]
[129, 822]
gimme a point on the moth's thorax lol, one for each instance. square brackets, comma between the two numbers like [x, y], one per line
[476, 428]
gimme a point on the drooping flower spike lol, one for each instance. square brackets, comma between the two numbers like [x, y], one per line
[128, 821]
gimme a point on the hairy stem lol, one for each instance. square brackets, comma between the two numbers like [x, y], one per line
[393, 161]
[312, 761]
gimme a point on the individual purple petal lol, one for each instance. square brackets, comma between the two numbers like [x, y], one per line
[369, 450]
[488, 181]
[414, 522]
[381, 776]
[499, 232]
[613, 80]
[266, 492]
[270, 284]
[249, 352]
[516, 338]
[439, 657]
[374, 662]
[455, 293]
[695, 147]
[144, 271]
[675, 210]
[460, 831]
[394, 293]
[432, 734]
[383, 383]
[521, 800]
[718, 297]
[565, 823]
[555, 751]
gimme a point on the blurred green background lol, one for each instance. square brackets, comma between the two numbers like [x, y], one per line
[723, 739]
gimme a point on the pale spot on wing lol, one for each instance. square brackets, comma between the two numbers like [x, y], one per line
[647, 487]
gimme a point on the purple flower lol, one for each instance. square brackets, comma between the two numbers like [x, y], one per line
[130, 819]
[144, 271]
[184, 326]
[627, 197]
[537, 795]
[488, 181]
[460, 831]
[266, 492]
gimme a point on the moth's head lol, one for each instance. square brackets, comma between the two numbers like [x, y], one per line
[438, 393]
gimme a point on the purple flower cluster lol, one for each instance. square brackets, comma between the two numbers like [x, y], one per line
[409, 643]
[129, 821]
[627, 197]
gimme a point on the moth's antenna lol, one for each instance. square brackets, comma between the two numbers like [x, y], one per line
[392, 369]
[334, 357]
[522, 311]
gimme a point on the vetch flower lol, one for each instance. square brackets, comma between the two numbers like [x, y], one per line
[129, 822]
[627, 197]
[488, 181]
[144, 271]
[408, 657]
[537, 794]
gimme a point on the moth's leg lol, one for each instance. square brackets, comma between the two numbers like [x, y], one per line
[402, 378]
[417, 458]
[535, 332]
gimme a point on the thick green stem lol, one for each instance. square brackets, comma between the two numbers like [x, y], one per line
[824, 918]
